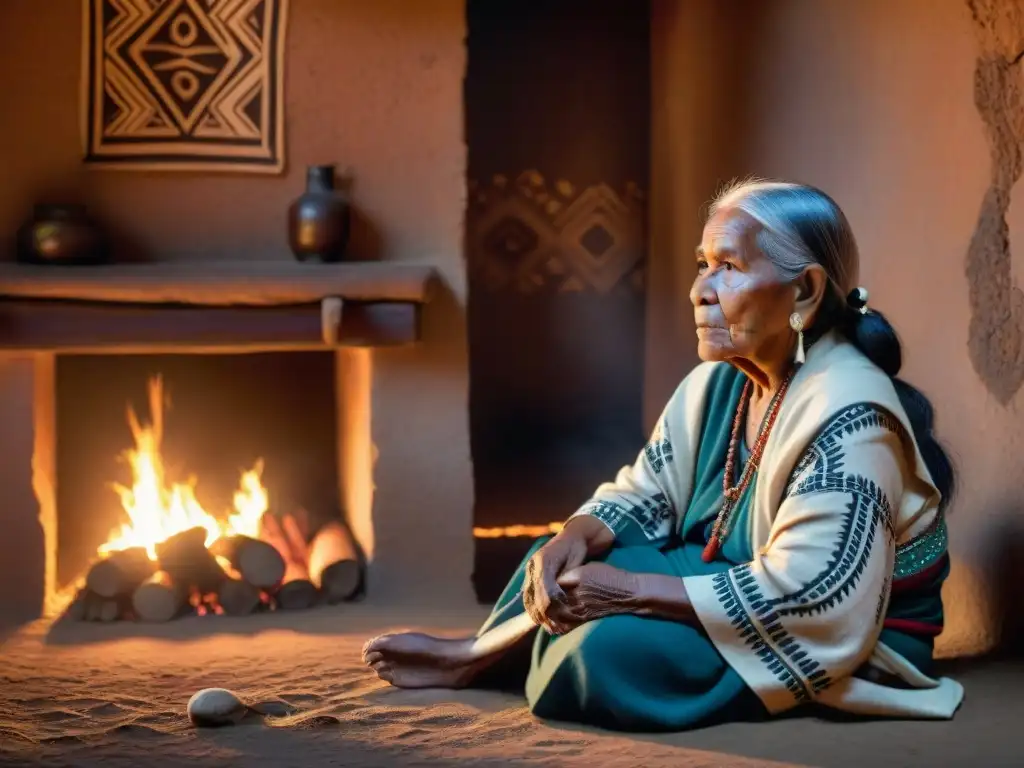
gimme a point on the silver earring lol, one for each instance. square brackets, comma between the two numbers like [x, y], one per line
[796, 322]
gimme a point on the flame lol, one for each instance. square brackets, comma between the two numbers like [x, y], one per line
[510, 531]
[157, 510]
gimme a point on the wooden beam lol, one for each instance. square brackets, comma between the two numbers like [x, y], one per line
[221, 283]
[69, 326]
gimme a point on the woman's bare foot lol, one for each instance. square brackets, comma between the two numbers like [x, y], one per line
[415, 660]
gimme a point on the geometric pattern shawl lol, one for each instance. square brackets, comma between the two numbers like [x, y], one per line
[843, 504]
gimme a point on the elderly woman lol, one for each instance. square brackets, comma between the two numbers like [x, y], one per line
[780, 539]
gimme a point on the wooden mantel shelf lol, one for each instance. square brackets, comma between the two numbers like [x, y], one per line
[210, 306]
[220, 284]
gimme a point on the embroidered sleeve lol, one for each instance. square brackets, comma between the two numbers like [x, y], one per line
[640, 504]
[808, 609]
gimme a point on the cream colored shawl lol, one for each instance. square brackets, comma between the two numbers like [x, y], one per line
[841, 486]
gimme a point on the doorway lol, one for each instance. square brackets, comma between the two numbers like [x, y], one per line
[558, 121]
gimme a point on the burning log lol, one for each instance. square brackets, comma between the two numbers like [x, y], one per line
[92, 609]
[189, 563]
[297, 592]
[159, 598]
[258, 562]
[120, 573]
[88, 606]
[334, 566]
[109, 610]
[236, 596]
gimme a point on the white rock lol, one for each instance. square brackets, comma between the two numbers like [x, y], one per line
[211, 707]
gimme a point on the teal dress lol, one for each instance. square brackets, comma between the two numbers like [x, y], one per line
[637, 673]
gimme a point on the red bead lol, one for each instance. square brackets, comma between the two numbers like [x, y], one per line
[711, 549]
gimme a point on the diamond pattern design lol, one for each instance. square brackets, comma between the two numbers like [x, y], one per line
[597, 240]
[528, 237]
[189, 84]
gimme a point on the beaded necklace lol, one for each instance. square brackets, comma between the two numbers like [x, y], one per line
[732, 493]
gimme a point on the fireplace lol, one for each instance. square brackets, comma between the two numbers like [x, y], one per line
[214, 453]
[212, 525]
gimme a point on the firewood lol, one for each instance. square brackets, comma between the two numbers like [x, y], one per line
[186, 559]
[110, 610]
[258, 562]
[295, 534]
[159, 598]
[286, 536]
[237, 596]
[120, 572]
[334, 566]
[297, 592]
[93, 608]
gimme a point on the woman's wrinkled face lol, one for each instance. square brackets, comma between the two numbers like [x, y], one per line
[741, 306]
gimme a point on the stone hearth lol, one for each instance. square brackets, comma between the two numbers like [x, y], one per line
[219, 308]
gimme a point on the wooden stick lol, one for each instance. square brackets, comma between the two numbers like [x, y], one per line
[334, 566]
[120, 572]
[330, 319]
[297, 591]
[186, 559]
[258, 562]
[159, 598]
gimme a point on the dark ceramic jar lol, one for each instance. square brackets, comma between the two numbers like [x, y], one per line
[61, 234]
[319, 219]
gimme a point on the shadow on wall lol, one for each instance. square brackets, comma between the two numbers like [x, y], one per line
[22, 600]
[703, 131]
[1007, 575]
[365, 239]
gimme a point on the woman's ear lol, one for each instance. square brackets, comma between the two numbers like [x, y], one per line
[810, 291]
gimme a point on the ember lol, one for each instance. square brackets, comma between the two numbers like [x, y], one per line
[174, 558]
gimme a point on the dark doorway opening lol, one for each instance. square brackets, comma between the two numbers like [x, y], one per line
[558, 112]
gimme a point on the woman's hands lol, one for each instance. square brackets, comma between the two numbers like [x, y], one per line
[545, 601]
[596, 590]
[561, 592]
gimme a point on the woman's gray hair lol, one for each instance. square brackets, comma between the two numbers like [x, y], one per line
[801, 226]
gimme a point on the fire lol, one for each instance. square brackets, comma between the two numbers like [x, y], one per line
[516, 531]
[158, 510]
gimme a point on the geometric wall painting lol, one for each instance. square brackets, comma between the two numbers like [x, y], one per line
[191, 85]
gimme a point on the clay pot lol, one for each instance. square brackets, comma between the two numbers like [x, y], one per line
[319, 219]
[61, 234]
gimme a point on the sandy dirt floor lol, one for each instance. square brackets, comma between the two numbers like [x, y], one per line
[115, 695]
